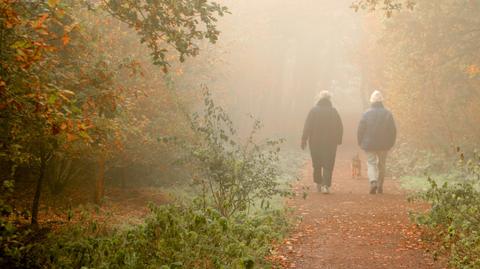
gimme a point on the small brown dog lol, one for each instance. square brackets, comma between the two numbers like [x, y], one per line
[356, 166]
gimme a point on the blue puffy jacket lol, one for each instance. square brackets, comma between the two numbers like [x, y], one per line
[377, 131]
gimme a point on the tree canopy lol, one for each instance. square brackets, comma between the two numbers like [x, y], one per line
[59, 63]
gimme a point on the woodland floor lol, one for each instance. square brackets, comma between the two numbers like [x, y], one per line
[121, 206]
[350, 228]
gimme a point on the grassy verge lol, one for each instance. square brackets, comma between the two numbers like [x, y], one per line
[291, 164]
[421, 183]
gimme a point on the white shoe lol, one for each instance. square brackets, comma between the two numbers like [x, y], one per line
[319, 188]
[326, 190]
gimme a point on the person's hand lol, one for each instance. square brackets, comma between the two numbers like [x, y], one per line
[303, 145]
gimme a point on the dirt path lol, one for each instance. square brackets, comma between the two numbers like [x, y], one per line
[351, 229]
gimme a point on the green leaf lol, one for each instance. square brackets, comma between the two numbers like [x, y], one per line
[52, 99]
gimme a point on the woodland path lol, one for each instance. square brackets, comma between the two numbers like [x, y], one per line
[350, 228]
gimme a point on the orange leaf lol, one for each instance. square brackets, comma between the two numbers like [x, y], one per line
[71, 137]
[39, 23]
[66, 40]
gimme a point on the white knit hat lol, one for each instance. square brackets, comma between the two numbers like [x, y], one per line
[323, 95]
[376, 97]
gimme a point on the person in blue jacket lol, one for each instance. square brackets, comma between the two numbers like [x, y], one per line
[376, 136]
[323, 131]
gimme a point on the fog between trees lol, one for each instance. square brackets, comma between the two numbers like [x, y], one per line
[277, 55]
[98, 96]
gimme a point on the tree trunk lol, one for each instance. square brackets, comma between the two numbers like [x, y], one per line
[36, 198]
[100, 180]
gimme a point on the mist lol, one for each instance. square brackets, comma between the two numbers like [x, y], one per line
[188, 134]
[276, 56]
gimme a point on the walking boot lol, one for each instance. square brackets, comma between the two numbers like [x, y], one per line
[373, 187]
[380, 186]
[380, 189]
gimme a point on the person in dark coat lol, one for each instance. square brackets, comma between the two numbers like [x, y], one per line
[376, 136]
[323, 131]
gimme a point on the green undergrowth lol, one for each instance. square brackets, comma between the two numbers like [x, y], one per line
[227, 220]
[291, 163]
[453, 221]
[418, 183]
[173, 236]
[408, 161]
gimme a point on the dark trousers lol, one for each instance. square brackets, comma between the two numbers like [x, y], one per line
[322, 176]
[323, 160]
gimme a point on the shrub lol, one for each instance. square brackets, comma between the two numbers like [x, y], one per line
[233, 176]
[454, 217]
[174, 236]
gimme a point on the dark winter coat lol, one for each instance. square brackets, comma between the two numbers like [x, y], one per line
[377, 131]
[324, 131]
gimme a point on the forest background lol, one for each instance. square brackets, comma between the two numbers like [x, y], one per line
[97, 97]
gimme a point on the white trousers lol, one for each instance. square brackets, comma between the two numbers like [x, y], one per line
[376, 162]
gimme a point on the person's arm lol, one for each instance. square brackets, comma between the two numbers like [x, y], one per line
[307, 130]
[392, 131]
[339, 127]
[362, 126]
